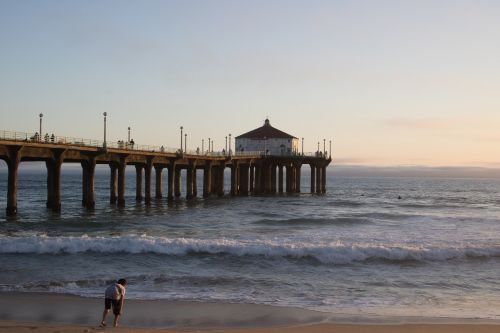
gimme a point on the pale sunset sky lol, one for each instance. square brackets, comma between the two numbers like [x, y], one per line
[390, 82]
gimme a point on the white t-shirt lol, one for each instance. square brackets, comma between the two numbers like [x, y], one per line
[115, 291]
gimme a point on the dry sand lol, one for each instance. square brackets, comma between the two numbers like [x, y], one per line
[16, 327]
[49, 313]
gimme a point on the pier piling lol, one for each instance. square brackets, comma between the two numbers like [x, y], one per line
[250, 173]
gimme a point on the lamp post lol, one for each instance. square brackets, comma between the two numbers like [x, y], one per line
[209, 145]
[203, 146]
[302, 146]
[226, 144]
[185, 142]
[318, 148]
[212, 146]
[324, 147]
[41, 116]
[229, 143]
[128, 134]
[105, 114]
[330, 148]
[181, 138]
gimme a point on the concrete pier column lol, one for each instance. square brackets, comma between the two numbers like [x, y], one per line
[195, 182]
[297, 177]
[50, 185]
[189, 180]
[113, 186]
[177, 181]
[243, 188]
[280, 178]
[234, 178]
[158, 182]
[138, 182]
[56, 161]
[288, 179]
[266, 178]
[89, 167]
[84, 182]
[257, 186]
[273, 178]
[207, 179]
[147, 180]
[215, 177]
[313, 178]
[318, 179]
[220, 176]
[122, 164]
[170, 190]
[252, 177]
[12, 161]
[323, 179]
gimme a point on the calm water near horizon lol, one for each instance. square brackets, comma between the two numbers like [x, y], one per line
[358, 250]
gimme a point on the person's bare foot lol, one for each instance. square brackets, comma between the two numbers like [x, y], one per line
[103, 324]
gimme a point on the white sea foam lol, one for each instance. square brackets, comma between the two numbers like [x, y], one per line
[329, 253]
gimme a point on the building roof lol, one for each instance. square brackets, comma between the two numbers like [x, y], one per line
[266, 131]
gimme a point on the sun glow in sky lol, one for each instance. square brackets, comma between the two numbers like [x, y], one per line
[390, 82]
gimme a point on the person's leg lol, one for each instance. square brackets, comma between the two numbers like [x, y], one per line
[116, 311]
[104, 314]
[115, 323]
[107, 306]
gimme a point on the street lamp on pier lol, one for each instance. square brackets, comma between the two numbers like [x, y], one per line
[105, 114]
[212, 146]
[330, 148]
[128, 134]
[208, 145]
[181, 138]
[324, 147]
[302, 146]
[226, 144]
[41, 116]
[229, 143]
[185, 142]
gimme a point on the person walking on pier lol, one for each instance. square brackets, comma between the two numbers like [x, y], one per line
[114, 296]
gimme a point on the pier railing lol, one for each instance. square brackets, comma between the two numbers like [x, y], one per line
[72, 141]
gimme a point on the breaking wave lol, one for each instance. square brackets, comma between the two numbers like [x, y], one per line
[327, 253]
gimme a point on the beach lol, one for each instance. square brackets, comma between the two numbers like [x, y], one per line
[51, 313]
[357, 258]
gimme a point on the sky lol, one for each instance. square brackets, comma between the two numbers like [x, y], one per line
[391, 83]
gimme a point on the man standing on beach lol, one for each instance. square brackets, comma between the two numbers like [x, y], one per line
[114, 296]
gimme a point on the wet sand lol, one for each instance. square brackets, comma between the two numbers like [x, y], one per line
[52, 313]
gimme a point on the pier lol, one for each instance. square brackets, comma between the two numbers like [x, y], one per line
[252, 173]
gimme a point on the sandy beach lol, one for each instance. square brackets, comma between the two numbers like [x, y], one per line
[52, 313]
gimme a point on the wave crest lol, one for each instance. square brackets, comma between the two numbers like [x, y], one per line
[328, 253]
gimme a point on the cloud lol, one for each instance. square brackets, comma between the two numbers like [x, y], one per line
[350, 160]
[415, 171]
[419, 123]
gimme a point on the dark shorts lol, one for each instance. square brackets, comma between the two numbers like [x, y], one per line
[108, 302]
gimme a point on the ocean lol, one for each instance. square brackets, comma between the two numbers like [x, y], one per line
[369, 246]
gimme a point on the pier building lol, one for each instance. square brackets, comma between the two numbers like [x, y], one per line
[269, 140]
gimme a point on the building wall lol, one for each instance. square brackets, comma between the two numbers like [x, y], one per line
[273, 146]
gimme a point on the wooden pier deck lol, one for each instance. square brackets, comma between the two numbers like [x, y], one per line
[251, 173]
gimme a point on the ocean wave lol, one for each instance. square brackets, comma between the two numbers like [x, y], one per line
[314, 221]
[327, 253]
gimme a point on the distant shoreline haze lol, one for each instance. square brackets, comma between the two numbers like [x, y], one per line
[334, 170]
